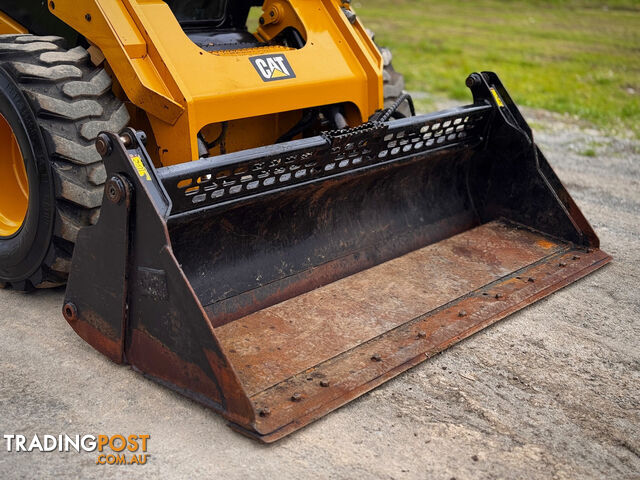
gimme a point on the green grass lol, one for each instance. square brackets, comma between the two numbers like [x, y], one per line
[581, 57]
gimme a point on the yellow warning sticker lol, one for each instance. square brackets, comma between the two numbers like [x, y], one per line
[142, 170]
[497, 97]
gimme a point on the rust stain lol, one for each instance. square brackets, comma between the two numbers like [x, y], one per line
[150, 356]
[238, 407]
[106, 345]
[313, 327]
[353, 373]
[546, 244]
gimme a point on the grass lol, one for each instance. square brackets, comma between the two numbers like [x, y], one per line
[581, 57]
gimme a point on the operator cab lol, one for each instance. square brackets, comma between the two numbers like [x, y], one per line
[219, 25]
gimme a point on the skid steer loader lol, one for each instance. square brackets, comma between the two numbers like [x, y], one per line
[255, 217]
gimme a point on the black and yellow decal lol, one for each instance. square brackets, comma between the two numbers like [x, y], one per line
[272, 67]
[139, 164]
[497, 98]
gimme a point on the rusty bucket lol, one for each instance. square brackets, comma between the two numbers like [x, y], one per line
[279, 283]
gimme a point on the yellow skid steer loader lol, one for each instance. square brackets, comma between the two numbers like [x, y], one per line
[257, 218]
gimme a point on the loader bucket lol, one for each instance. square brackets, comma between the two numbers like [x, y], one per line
[279, 283]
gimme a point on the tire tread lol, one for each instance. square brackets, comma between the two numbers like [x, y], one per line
[73, 102]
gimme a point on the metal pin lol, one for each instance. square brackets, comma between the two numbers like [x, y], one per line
[296, 397]
[422, 334]
[324, 383]
[126, 139]
[462, 313]
[376, 357]
[264, 412]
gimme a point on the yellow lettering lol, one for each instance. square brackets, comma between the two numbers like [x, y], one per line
[142, 170]
[133, 443]
[112, 443]
[144, 439]
[102, 441]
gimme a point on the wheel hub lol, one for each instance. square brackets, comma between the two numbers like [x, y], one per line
[14, 186]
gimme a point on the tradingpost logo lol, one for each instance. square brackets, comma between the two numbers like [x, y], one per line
[272, 67]
[111, 449]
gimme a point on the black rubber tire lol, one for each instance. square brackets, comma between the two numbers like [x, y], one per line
[393, 84]
[56, 102]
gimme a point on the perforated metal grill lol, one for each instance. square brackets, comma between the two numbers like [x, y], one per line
[235, 176]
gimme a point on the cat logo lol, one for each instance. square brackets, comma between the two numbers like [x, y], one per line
[272, 67]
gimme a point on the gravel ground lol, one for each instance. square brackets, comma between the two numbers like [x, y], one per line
[551, 392]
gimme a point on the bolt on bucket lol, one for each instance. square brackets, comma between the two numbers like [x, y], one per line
[279, 283]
